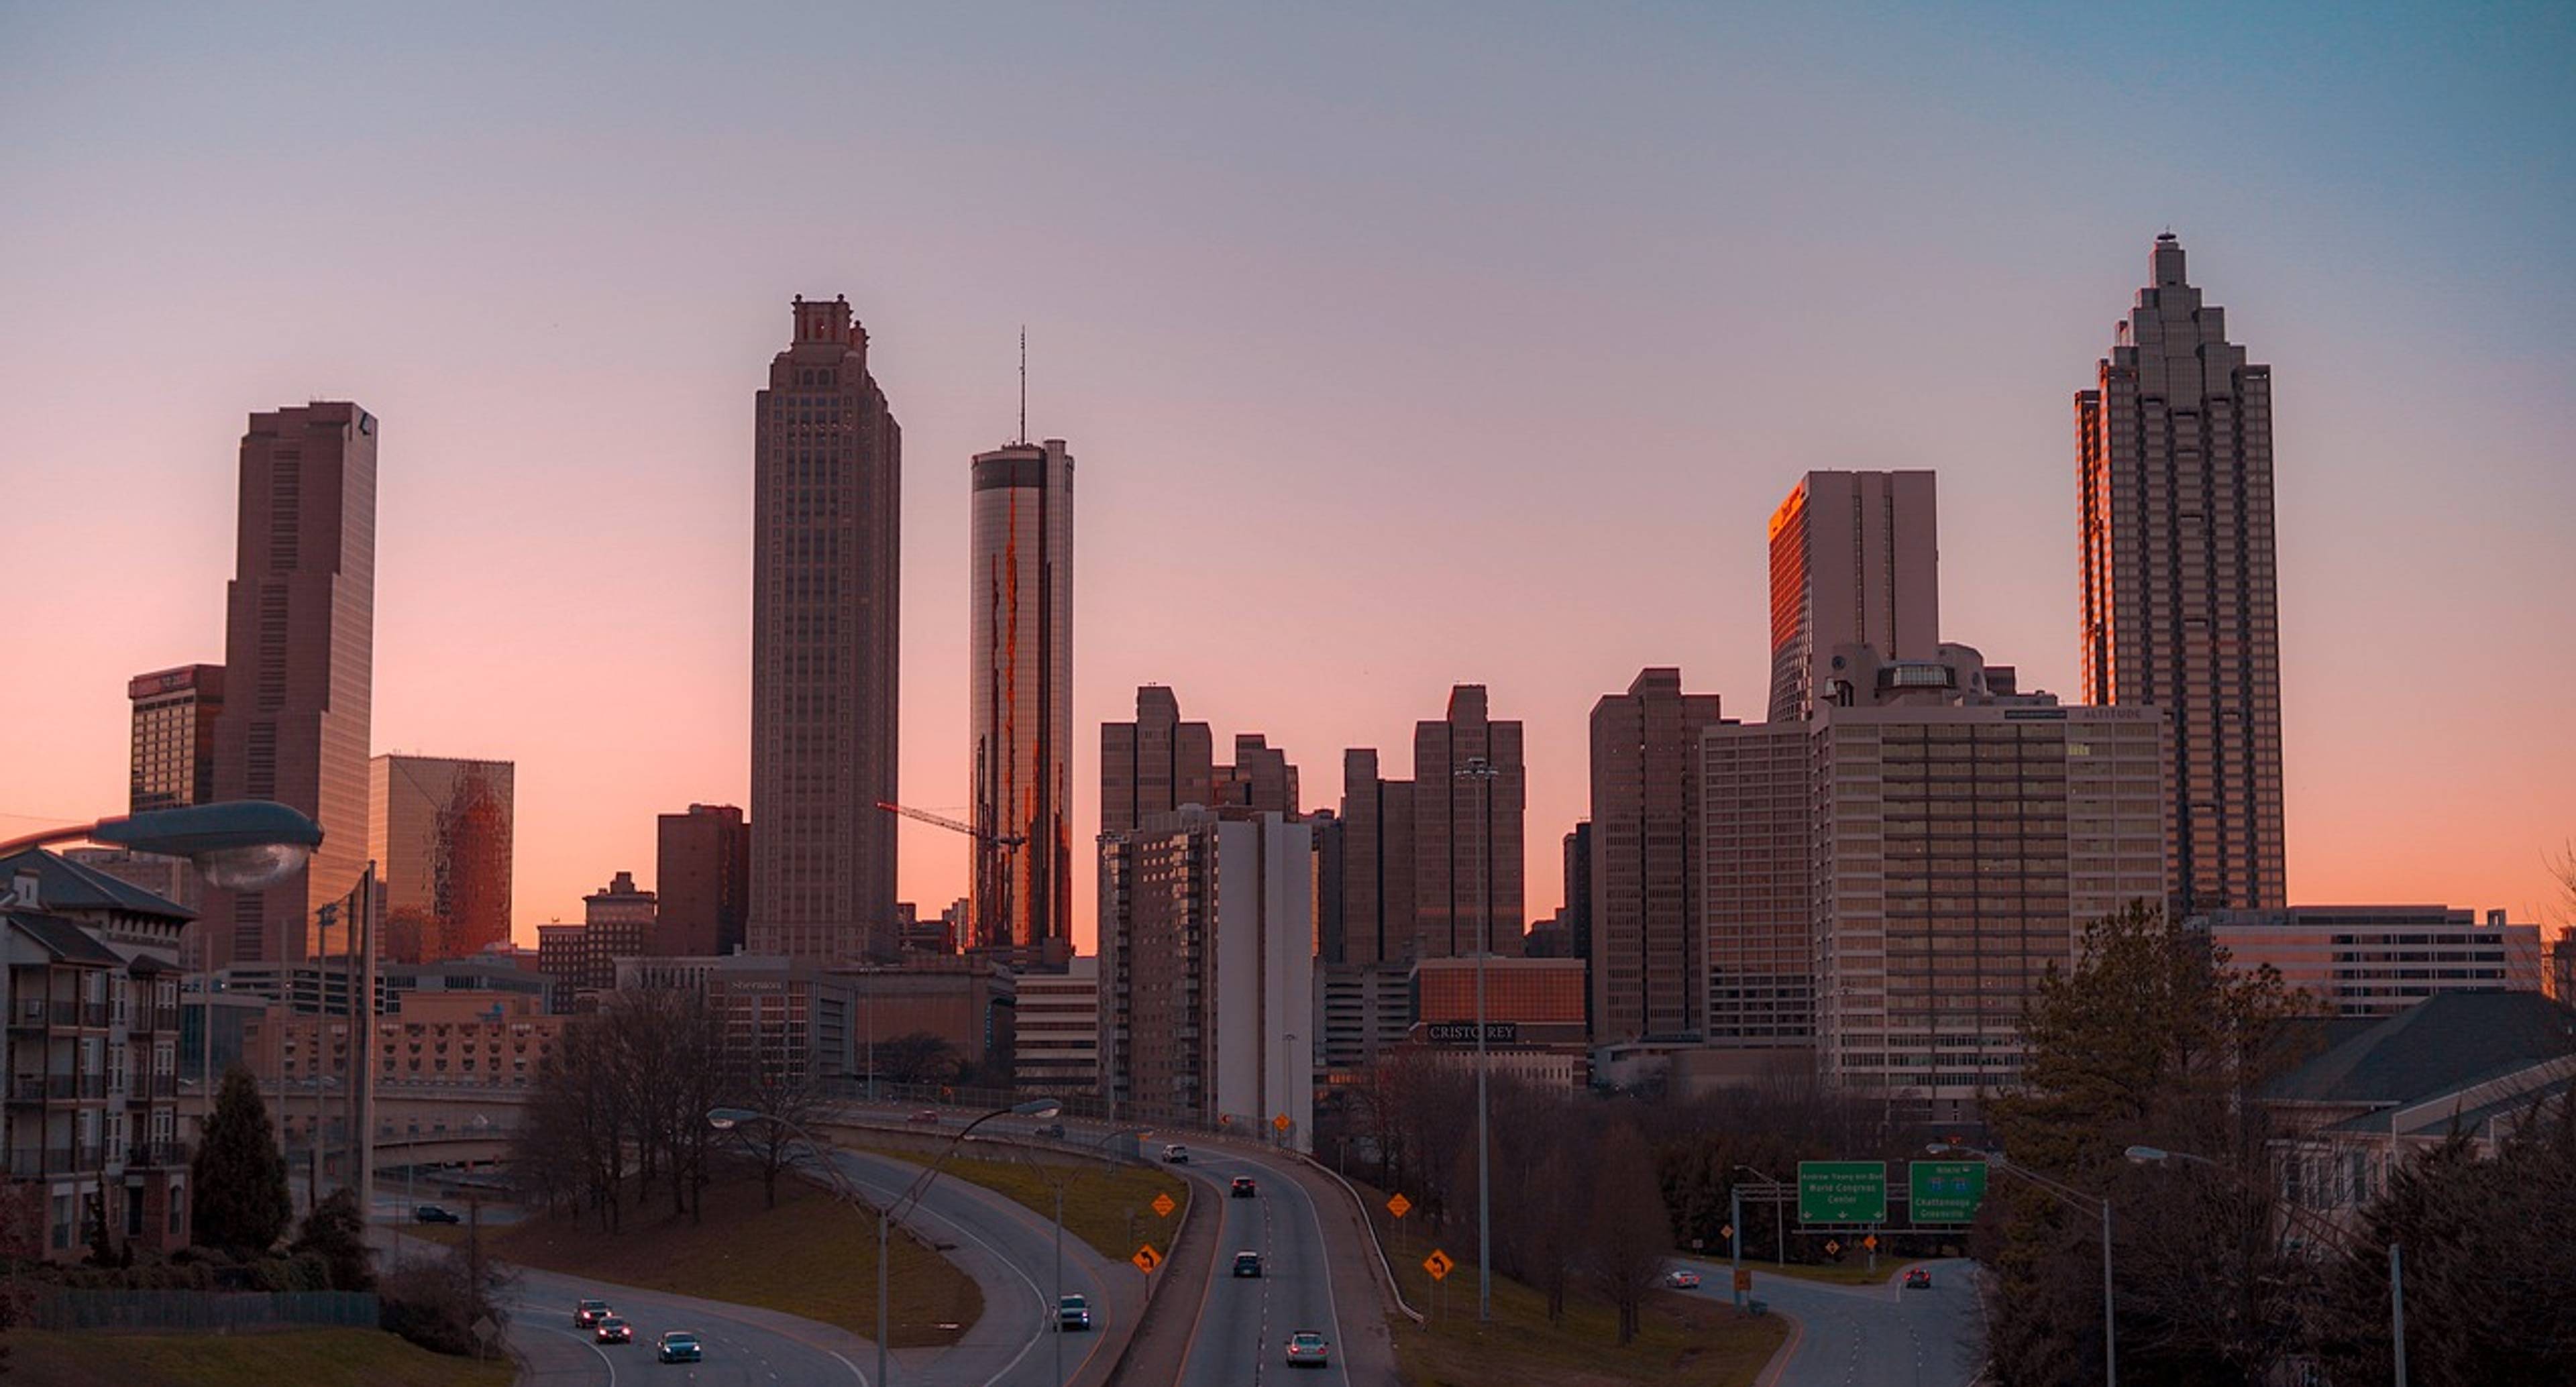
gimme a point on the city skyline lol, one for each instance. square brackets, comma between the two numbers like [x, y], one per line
[1552, 513]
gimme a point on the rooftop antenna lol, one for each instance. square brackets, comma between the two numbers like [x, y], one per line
[1024, 384]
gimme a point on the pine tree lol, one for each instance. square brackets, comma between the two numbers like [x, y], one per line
[336, 1231]
[239, 1174]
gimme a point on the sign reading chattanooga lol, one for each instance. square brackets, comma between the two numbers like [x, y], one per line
[1945, 1191]
[1842, 1192]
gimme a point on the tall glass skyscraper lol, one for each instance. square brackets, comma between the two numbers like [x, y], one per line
[2180, 601]
[1023, 697]
[299, 669]
[826, 548]
[440, 834]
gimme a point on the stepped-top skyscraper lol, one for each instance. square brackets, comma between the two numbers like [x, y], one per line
[2180, 601]
[1022, 762]
[299, 669]
[828, 488]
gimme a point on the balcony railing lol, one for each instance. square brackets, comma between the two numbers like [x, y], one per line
[156, 1153]
[29, 1161]
[30, 1011]
[94, 1013]
[64, 1013]
[165, 1018]
[26, 1088]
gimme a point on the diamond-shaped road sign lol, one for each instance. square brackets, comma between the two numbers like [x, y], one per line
[1146, 1259]
[1727, 1232]
[1870, 1242]
[1833, 1248]
[1398, 1205]
[1163, 1205]
[1279, 1123]
[1438, 1264]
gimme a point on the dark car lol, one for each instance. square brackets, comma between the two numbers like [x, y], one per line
[431, 1213]
[1247, 1264]
[588, 1312]
[1918, 1279]
[1244, 1188]
[927, 1116]
[1053, 1131]
[613, 1330]
[679, 1346]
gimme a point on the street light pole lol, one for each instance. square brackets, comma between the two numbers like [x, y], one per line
[2077, 1200]
[1481, 770]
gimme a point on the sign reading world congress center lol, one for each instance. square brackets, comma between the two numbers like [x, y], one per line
[1945, 1191]
[1842, 1191]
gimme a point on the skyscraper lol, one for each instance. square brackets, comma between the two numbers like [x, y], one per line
[1155, 764]
[703, 879]
[1260, 778]
[299, 665]
[174, 736]
[439, 831]
[827, 493]
[1648, 957]
[1855, 560]
[1023, 695]
[1467, 830]
[2180, 602]
[1377, 863]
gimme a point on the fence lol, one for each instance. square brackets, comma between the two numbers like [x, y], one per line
[202, 1311]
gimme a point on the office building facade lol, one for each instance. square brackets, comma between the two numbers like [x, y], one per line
[2378, 960]
[1467, 846]
[174, 736]
[702, 881]
[2180, 594]
[1022, 696]
[1855, 560]
[1648, 957]
[1155, 764]
[299, 667]
[826, 596]
[440, 834]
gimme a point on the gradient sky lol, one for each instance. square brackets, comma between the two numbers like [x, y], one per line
[1467, 343]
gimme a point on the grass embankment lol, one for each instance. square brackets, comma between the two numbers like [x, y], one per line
[305, 1357]
[813, 1256]
[1849, 1273]
[1685, 1339]
[1109, 1207]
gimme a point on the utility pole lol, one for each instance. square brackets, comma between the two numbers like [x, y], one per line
[1481, 770]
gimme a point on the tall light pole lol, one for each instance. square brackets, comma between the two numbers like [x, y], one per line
[2079, 1201]
[2327, 1229]
[726, 1119]
[1481, 770]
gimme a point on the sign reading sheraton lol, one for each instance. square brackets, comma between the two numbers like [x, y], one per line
[1464, 1032]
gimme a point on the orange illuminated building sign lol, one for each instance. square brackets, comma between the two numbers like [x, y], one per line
[1528, 991]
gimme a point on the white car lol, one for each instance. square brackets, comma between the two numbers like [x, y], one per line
[1682, 1279]
[1307, 1349]
[1176, 1154]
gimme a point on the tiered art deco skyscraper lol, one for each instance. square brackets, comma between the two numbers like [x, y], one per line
[1023, 696]
[299, 668]
[826, 522]
[2180, 600]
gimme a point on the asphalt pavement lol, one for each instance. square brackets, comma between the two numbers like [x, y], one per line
[1243, 1324]
[1868, 1336]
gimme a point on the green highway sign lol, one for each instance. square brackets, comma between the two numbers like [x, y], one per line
[1842, 1191]
[1945, 1191]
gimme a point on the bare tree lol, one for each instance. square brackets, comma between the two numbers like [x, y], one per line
[1630, 1233]
[792, 1099]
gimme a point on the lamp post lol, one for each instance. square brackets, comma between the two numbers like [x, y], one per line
[2077, 1200]
[1058, 1187]
[1779, 1219]
[1479, 769]
[726, 1119]
[2323, 1227]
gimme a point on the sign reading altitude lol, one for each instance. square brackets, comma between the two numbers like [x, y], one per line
[1842, 1191]
[1945, 1191]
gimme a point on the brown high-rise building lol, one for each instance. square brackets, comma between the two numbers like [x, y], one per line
[174, 736]
[1260, 778]
[827, 494]
[703, 880]
[1377, 864]
[439, 831]
[1855, 560]
[1155, 764]
[1467, 830]
[1647, 909]
[299, 667]
[1023, 696]
[2180, 601]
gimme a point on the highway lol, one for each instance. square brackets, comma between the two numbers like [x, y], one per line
[1243, 1323]
[1009, 1250]
[1870, 1336]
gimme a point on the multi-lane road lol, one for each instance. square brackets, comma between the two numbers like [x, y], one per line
[1243, 1323]
[1871, 1336]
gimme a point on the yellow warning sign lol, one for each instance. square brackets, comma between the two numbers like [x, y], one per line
[1279, 1123]
[1398, 1205]
[1438, 1264]
[1870, 1242]
[1146, 1259]
[1163, 1205]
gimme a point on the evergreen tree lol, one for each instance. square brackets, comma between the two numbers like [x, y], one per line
[239, 1174]
[336, 1231]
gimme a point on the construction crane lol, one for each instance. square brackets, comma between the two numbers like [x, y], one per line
[1006, 840]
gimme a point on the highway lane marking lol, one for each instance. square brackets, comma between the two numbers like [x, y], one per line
[1207, 1289]
[596, 1351]
[1037, 1298]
